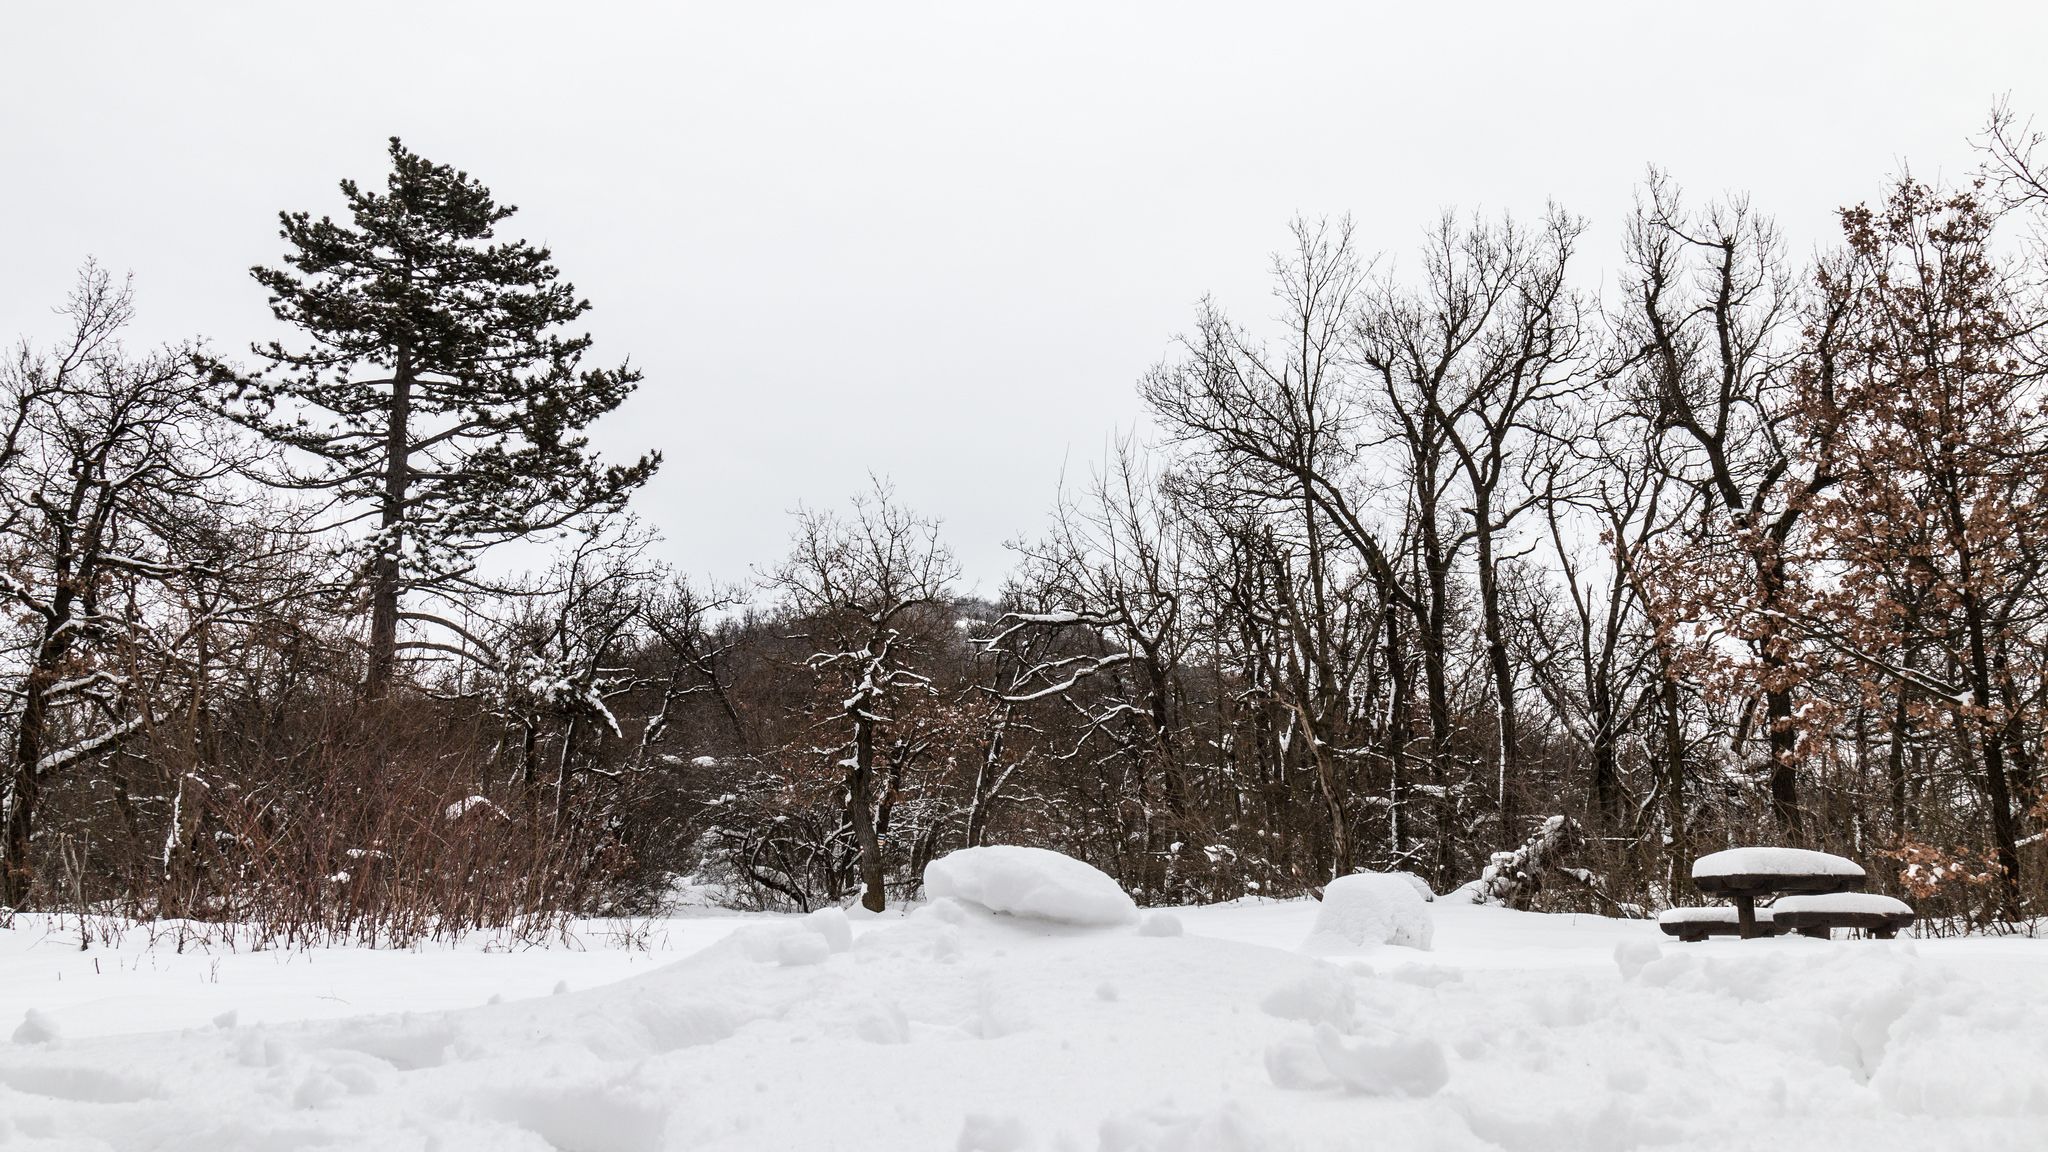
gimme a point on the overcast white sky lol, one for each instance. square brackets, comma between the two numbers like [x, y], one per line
[938, 242]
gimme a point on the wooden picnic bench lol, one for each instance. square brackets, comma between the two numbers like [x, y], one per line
[1820, 892]
[1881, 916]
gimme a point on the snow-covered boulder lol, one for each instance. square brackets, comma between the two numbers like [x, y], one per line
[1031, 882]
[1373, 908]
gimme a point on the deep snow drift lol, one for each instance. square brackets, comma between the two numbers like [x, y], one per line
[954, 1027]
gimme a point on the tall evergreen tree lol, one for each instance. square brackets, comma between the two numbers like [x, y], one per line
[438, 401]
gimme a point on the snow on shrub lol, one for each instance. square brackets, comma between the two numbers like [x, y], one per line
[468, 804]
[1322, 996]
[1514, 878]
[1030, 882]
[1373, 908]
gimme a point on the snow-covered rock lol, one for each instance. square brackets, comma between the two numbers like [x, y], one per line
[1030, 882]
[1369, 908]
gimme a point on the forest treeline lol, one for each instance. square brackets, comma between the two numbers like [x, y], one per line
[1450, 564]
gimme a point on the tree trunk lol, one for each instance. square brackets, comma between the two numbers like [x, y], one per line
[2004, 837]
[1159, 703]
[1781, 729]
[1606, 766]
[1896, 759]
[385, 573]
[31, 744]
[562, 770]
[1674, 783]
[16, 870]
[1436, 688]
[986, 776]
[860, 813]
[1341, 859]
[1784, 744]
[1397, 741]
[1503, 672]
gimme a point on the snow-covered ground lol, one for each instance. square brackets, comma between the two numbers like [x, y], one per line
[955, 1028]
[146, 981]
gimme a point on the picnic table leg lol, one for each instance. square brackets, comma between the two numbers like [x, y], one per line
[1745, 914]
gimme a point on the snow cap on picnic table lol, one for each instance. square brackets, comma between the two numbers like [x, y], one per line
[1711, 914]
[1774, 862]
[1846, 903]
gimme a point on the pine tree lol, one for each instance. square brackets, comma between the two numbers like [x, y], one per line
[438, 402]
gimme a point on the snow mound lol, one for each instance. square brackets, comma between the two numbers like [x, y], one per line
[36, 1028]
[1031, 882]
[1632, 956]
[1406, 1066]
[796, 943]
[1369, 908]
[1164, 1128]
[982, 1132]
[1322, 996]
[1161, 924]
[1774, 861]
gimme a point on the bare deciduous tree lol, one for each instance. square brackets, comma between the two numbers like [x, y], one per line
[865, 590]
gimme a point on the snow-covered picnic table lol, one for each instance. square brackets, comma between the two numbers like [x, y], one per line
[1696, 924]
[1743, 874]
